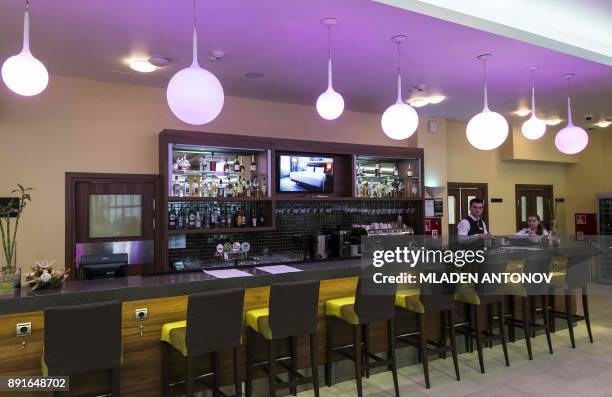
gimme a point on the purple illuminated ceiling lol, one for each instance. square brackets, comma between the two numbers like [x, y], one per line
[283, 40]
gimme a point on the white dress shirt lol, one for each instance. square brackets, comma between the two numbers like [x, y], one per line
[463, 227]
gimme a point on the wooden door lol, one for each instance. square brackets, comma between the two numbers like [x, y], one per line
[533, 199]
[459, 196]
[111, 214]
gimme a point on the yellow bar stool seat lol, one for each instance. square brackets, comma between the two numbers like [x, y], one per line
[174, 334]
[259, 321]
[342, 308]
[410, 299]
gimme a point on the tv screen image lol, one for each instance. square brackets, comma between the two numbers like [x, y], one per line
[307, 174]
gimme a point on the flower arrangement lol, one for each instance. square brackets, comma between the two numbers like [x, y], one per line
[44, 276]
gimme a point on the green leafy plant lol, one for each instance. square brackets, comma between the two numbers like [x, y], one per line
[10, 214]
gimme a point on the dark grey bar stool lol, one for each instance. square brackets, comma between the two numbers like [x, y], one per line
[292, 312]
[371, 303]
[83, 338]
[214, 324]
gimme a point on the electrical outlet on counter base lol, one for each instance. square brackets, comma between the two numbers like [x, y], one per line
[141, 314]
[24, 329]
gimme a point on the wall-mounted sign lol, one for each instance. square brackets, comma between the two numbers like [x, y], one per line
[434, 208]
[497, 200]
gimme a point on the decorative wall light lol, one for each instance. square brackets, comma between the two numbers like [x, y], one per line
[400, 120]
[22, 73]
[487, 130]
[330, 104]
[194, 94]
[533, 128]
[571, 139]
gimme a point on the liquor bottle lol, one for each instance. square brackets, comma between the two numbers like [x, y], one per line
[264, 188]
[395, 170]
[213, 218]
[409, 171]
[198, 219]
[253, 219]
[238, 218]
[207, 220]
[187, 190]
[377, 169]
[213, 189]
[202, 164]
[415, 189]
[176, 187]
[236, 165]
[255, 187]
[191, 218]
[247, 190]
[172, 218]
[220, 189]
[228, 218]
[180, 222]
[221, 219]
[242, 165]
[239, 188]
[253, 167]
[261, 217]
[213, 164]
[205, 189]
[243, 220]
[226, 166]
[229, 189]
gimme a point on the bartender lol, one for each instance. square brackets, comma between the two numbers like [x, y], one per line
[473, 225]
[534, 227]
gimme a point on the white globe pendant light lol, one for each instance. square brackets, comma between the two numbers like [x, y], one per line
[487, 130]
[400, 120]
[571, 139]
[194, 94]
[533, 128]
[22, 73]
[330, 104]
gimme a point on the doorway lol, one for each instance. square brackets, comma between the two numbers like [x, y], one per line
[113, 214]
[459, 196]
[533, 199]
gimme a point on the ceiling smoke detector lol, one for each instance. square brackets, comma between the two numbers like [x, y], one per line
[254, 75]
[216, 55]
[159, 61]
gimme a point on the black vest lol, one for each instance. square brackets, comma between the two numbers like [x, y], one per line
[476, 227]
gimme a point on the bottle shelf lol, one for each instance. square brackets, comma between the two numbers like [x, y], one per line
[246, 229]
[218, 199]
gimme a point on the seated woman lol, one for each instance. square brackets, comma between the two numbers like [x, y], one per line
[534, 227]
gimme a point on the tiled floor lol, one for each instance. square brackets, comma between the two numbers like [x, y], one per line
[584, 372]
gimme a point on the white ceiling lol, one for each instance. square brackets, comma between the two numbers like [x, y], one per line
[578, 27]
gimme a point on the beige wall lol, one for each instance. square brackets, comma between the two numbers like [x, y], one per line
[81, 125]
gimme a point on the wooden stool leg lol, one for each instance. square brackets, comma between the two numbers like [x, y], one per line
[423, 348]
[533, 307]
[478, 334]
[453, 341]
[490, 316]
[272, 368]
[314, 364]
[294, 357]
[391, 339]
[116, 381]
[546, 313]
[468, 335]
[189, 375]
[443, 336]
[585, 308]
[570, 318]
[357, 342]
[216, 366]
[553, 323]
[511, 327]
[237, 386]
[366, 349]
[526, 324]
[329, 325]
[502, 328]
[249, 363]
[165, 378]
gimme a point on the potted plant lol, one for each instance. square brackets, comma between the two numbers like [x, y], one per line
[10, 214]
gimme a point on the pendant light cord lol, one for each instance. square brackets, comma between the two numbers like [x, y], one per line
[533, 93]
[569, 103]
[195, 37]
[329, 58]
[399, 73]
[484, 73]
[26, 29]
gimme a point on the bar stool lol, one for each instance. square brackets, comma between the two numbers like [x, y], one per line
[292, 312]
[569, 279]
[528, 294]
[474, 298]
[371, 303]
[432, 299]
[83, 338]
[214, 324]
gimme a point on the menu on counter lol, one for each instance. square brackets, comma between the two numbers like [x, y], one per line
[227, 273]
[278, 269]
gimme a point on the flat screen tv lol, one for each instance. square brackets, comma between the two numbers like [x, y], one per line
[305, 174]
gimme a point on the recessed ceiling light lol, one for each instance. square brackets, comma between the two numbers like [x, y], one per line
[418, 102]
[254, 75]
[160, 61]
[603, 123]
[522, 112]
[436, 99]
[142, 66]
[552, 121]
